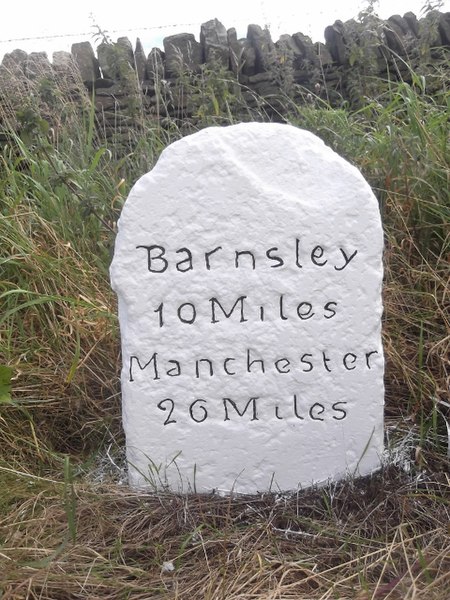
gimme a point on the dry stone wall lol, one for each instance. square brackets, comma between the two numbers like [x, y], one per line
[189, 77]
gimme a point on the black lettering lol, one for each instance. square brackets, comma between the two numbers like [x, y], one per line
[352, 362]
[271, 256]
[261, 313]
[161, 406]
[208, 254]
[326, 360]
[159, 310]
[297, 253]
[225, 368]
[368, 355]
[159, 257]
[307, 314]
[317, 252]
[205, 360]
[287, 363]
[306, 362]
[188, 260]
[250, 363]
[296, 410]
[283, 318]
[321, 411]
[152, 360]
[214, 301]
[347, 259]
[277, 414]
[204, 413]
[176, 370]
[188, 320]
[328, 309]
[252, 401]
[239, 253]
[341, 410]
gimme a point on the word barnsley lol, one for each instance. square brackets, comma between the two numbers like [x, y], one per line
[221, 257]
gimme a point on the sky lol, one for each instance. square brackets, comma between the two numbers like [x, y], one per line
[77, 21]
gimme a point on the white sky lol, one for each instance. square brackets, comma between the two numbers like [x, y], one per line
[151, 21]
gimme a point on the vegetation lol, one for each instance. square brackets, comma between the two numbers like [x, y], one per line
[69, 527]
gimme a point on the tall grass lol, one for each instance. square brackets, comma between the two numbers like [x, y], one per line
[62, 185]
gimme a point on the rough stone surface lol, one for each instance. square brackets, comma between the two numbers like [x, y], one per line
[13, 59]
[37, 65]
[116, 60]
[413, 23]
[140, 61]
[305, 45]
[242, 55]
[397, 28]
[288, 52]
[444, 28]
[182, 53]
[323, 54]
[334, 37]
[84, 57]
[12, 73]
[155, 65]
[63, 62]
[264, 47]
[248, 271]
[214, 41]
[353, 64]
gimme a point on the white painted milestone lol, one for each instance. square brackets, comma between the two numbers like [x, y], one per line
[248, 269]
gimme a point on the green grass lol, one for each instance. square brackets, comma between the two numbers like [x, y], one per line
[68, 527]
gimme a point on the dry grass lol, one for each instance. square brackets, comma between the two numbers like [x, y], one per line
[385, 537]
[69, 526]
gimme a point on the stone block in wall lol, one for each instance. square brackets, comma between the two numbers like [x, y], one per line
[126, 48]
[140, 61]
[335, 41]
[106, 102]
[395, 32]
[86, 61]
[242, 56]
[103, 84]
[444, 28]
[37, 65]
[371, 45]
[429, 30]
[401, 24]
[264, 47]
[301, 76]
[305, 46]
[324, 57]
[413, 23]
[67, 74]
[234, 50]
[155, 65]
[214, 42]
[107, 60]
[182, 53]
[14, 62]
[288, 53]
[116, 61]
[263, 84]
[12, 79]
[63, 62]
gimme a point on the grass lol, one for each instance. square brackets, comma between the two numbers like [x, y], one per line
[69, 526]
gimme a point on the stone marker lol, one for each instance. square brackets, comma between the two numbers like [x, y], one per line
[248, 270]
